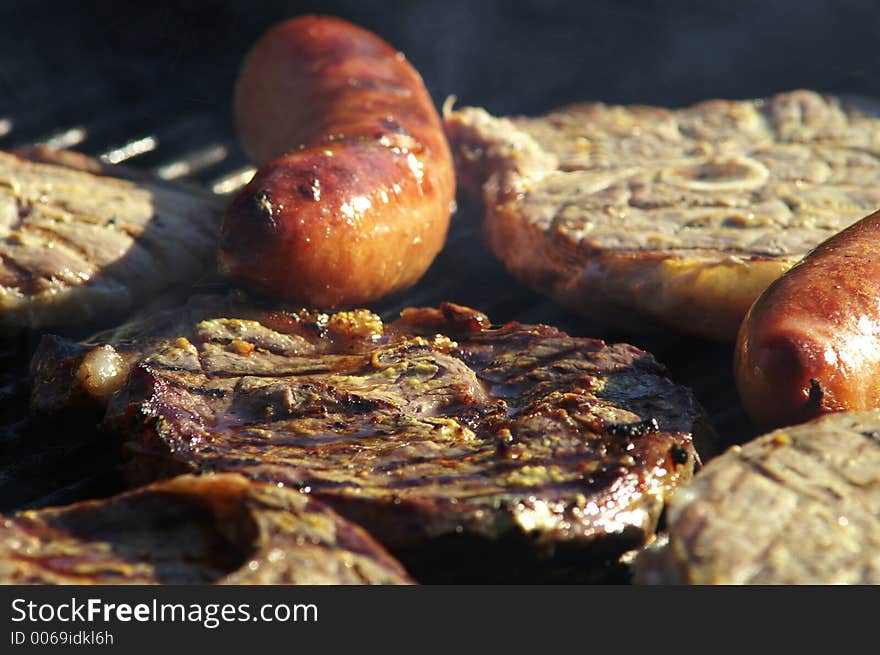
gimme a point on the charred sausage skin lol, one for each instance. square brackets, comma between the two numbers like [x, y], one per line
[356, 184]
[810, 343]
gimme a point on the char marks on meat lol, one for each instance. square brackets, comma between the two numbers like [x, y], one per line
[473, 452]
[800, 505]
[80, 245]
[684, 216]
[222, 529]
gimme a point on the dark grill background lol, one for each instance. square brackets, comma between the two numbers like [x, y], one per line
[150, 84]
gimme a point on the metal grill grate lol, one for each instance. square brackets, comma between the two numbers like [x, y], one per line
[196, 148]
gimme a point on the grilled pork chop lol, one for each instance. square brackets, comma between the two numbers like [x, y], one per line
[81, 245]
[221, 529]
[641, 214]
[472, 452]
[800, 505]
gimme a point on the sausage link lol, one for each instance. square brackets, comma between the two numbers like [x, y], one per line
[810, 344]
[356, 184]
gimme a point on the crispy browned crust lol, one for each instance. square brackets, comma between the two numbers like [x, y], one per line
[222, 529]
[83, 242]
[641, 216]
[705, 294]
[438, 432]
[796, 506]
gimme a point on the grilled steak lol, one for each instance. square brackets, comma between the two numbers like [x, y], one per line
[472, 452]
[80, 245]
[70, 376]
[641, 214]
[221, 529]
[799, 505]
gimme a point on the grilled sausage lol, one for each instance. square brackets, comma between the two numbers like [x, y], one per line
[356, 185]
[810, 343]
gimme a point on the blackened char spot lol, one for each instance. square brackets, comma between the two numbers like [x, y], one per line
[679, 455]
[357, 405]
[635, 429]
[814, 395]
[310, 188]
[25, 208]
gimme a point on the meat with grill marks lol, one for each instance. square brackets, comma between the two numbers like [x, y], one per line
[643, 216]
[473, 452]
[800, 505]
[222, 529]
[81, 245]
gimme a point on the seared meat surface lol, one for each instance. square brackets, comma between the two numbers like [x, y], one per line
[800, 505]
[683, 217]
[447, 438]
[68, 375]
[222, 529]
[80, 245]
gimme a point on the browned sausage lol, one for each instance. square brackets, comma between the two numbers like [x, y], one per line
[810, 344]
[353, 197]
